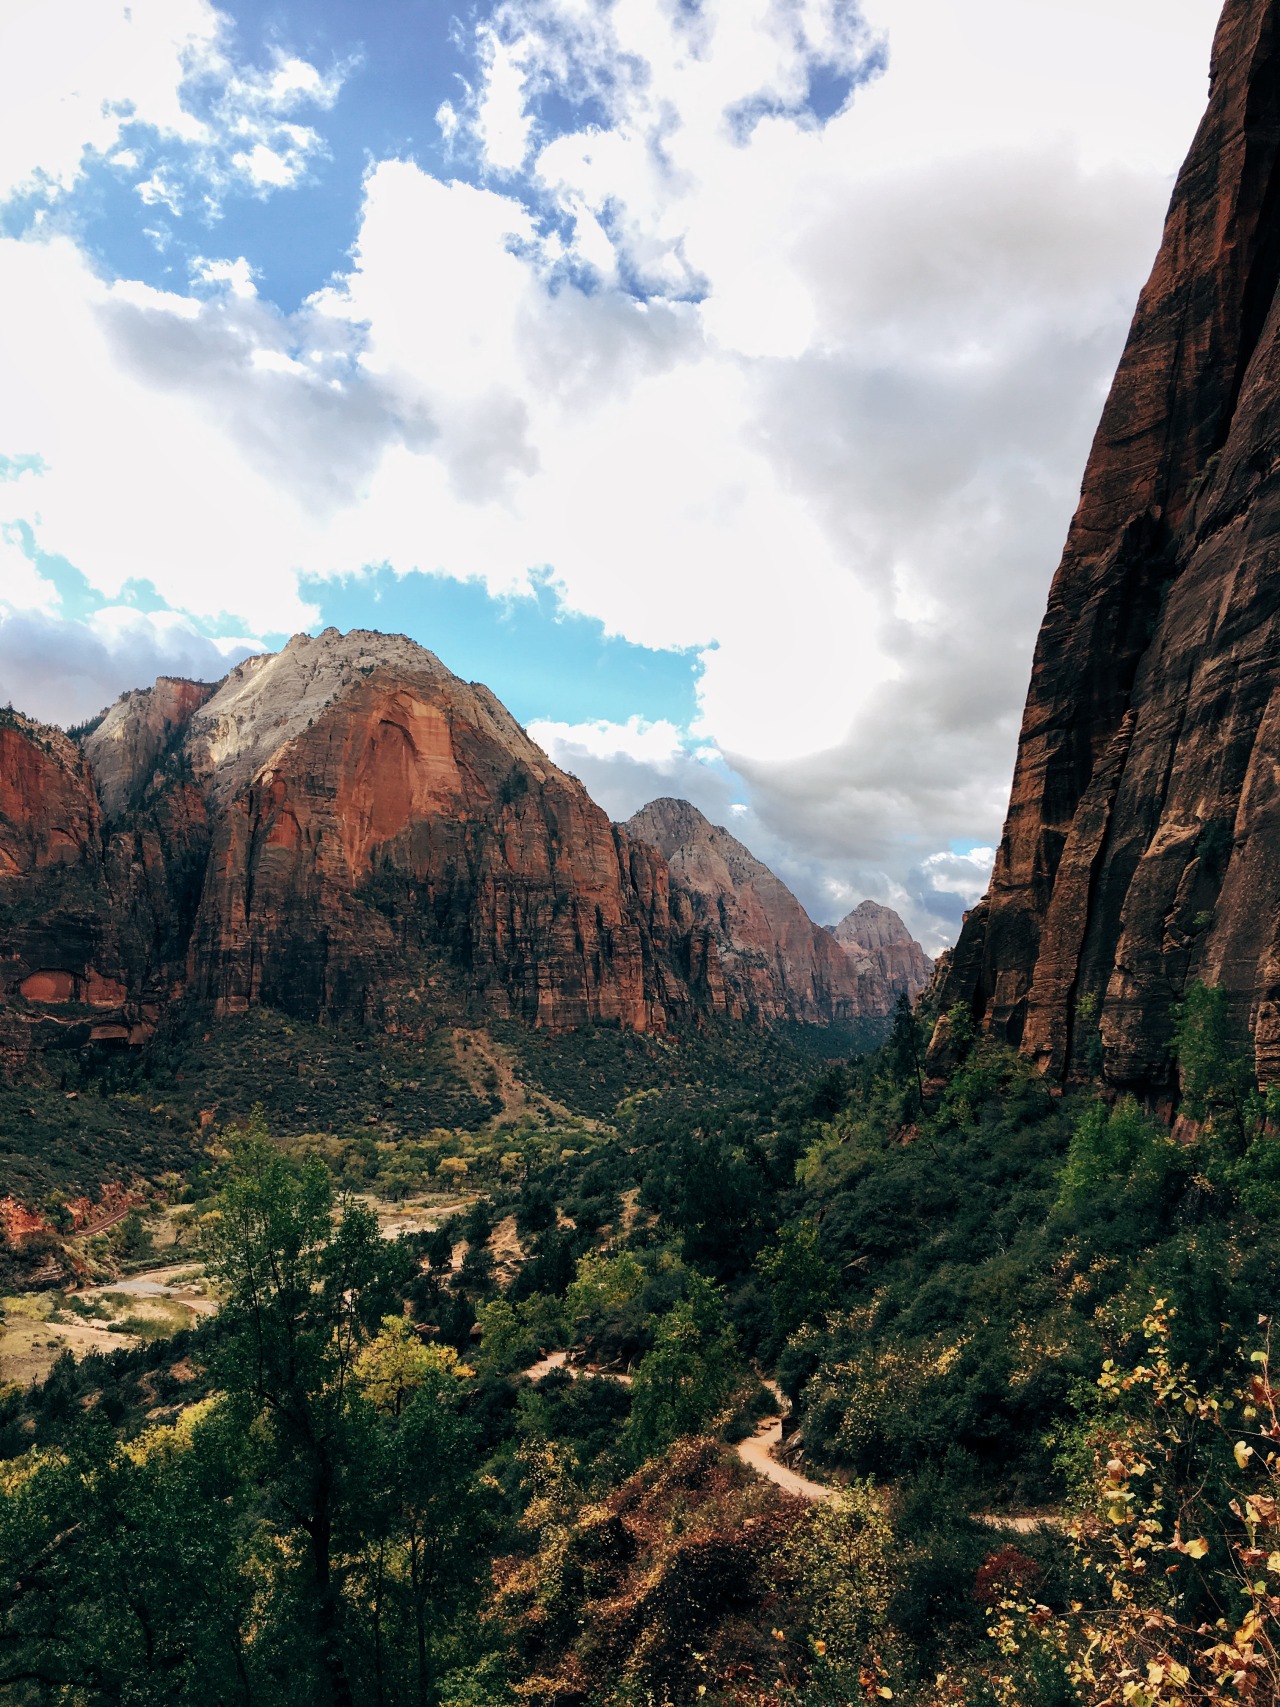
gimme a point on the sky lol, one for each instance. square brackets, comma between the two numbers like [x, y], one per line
[712, 378]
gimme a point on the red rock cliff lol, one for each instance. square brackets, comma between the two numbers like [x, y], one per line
[344, 830]
[1142, 845]
[745, 930]
[395, 839]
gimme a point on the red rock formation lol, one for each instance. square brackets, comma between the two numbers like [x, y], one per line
[404, 844]
[1142, 846]
[773, 961]
[344, 830]
[886, 958]
[48, 812]
[57, 942]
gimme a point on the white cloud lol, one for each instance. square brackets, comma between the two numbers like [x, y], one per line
[76, 74]
[659, 743]
[22, 586]
[73, 72]
[813, 399]
[65, 672]
[502, 120]
[963, 874]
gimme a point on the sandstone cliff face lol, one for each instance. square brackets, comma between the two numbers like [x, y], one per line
[57, 937]
[773, 961]
[387, 836]
[135, 734]
[344, 831]
[1142, 846]
[347, 832]
[886, 958]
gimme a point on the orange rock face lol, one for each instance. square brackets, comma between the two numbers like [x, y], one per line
[49, 812]
[345, 831]
[746, 936]
[1142, 845]
[412, 844]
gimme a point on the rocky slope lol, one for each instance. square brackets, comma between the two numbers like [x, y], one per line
[345, 831]
[777, 964]
[886, 958]
[1142, 846]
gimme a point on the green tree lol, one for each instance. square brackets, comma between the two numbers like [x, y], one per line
[800, 1283]
[426, 1520]
[124, 1572]
[304, 1290]
[1108, 1148]
[1214, 1067]
[906, 1054]
[689, 1378]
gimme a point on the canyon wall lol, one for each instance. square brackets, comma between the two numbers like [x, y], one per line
[1142, 844]
[347, 832]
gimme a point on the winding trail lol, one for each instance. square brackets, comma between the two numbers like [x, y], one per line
[756, 1452]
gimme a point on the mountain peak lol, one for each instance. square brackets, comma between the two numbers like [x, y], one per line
[885, 954]
[775, 959]
[872, 925]
[271, 698]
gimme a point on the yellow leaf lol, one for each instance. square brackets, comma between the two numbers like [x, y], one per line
[1197, 1549]
[884, 1694]
[1273, 1563]
[1243, 1453]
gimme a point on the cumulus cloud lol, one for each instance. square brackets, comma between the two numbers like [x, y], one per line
[804, 385]
[625, 765]
[66, 672]
[78, 77]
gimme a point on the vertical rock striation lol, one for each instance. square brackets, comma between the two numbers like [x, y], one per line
[347, 832]
[886, 958]
[747, 937]
[1142, 844]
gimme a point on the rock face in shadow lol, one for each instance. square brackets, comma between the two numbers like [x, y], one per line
[775, 963]
[347, 832]
[1142, 845]
[135, 737]
[886, 958]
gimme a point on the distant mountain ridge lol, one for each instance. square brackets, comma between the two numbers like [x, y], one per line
[886, 957]
[347, 832]
[776, 960]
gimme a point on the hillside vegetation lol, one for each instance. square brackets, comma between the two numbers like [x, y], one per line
[1009, 1305]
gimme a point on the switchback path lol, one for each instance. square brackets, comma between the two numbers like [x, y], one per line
[756, 1452]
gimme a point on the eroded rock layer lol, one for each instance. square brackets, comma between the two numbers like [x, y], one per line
[346, 831]
[775, 963]
[1142, 845]
[886, 959]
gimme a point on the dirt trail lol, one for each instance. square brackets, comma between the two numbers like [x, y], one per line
[756, 1452]
[560, 1360]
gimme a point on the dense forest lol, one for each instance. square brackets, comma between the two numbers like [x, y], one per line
[1018, 1338]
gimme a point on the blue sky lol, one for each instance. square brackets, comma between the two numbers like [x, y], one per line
[712, 378]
